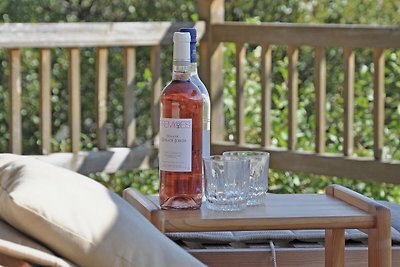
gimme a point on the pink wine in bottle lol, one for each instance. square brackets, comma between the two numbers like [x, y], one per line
[180, 150]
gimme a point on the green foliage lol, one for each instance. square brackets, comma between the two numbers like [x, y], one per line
[144, 180]
[304, 11]
[285, 182]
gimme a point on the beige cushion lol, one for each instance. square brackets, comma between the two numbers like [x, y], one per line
[17, 245]
[80, 219]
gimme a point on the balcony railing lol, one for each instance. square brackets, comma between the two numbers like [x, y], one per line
[213, 32]
[346, 37]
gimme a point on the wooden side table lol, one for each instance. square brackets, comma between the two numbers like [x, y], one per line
[340, 208]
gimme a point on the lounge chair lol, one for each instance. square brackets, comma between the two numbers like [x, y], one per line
[50, 216]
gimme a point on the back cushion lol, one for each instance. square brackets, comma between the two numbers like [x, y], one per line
[80, 219]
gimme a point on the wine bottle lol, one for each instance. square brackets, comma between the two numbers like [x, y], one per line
[194, 77]
[180, 150]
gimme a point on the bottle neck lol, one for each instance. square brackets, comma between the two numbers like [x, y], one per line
[181, 71]
[193, 68]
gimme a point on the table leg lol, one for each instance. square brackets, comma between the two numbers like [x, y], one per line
[334, 247]
[380, 240]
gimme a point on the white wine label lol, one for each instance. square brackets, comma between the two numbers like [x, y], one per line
[175, 145]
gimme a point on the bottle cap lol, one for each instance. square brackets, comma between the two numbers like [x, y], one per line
[182, 47]
[192, 31]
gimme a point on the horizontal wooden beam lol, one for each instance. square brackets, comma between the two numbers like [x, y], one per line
[323, 164]
[91, 34]
[322, 35]
[289, 257]
[109, 161]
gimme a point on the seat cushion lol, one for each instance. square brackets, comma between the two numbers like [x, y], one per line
[15, 244]
[79, 218]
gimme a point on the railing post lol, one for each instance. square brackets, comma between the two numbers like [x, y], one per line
[211, 67]
[45, 100]
[240, 116]
[74, 88]
[348, 97]
[320, 92]
[129, 95]
[266, 90]
[101, 96]
[379, 102]
[293, 54]
[15, 92]
[156, 86]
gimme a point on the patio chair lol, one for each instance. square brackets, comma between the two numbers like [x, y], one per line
[50, 216]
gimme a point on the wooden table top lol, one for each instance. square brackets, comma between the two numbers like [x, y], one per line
[278, 212]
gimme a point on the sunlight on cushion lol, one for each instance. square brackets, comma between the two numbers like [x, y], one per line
[79, 218]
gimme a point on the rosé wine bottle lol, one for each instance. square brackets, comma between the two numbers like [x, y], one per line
[180, 150]
[194, 77]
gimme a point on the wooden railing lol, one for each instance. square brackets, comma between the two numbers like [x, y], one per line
[347, 37]
[73, 36]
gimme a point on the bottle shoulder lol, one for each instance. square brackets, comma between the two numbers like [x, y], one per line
[197, 81]
[179, 87]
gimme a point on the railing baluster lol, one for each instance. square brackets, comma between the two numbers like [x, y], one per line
[379, 101]
[293, 55]
[266, 68]
[320, 90]
[155, 65]
[240, 58]
[101, 96]
[45, 100]
[129, 95]
[74, 98]
[348, 101]
[15, 101]
[212, 65]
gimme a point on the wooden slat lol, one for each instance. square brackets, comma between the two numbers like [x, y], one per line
[45, 100]
[293, 55]
[216, 93]
[266, 89]
[110, 160]
[155, 66]
[379, 236]
[101, 97]
[14, 91]
[211, 67]
[239, 116]
[322, 35]
[380, 239]
[140, 202]
[129, 95]
[348, 98]
[320, 95]
[334, 248]
[379, 102]
[353, 198]
[74, 98]
[92, 34]
[278, 212]
[356, 256]
[363, 168]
